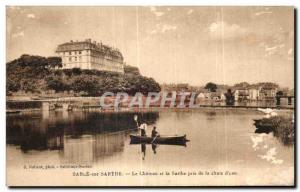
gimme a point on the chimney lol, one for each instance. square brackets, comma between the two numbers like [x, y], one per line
[71, 41]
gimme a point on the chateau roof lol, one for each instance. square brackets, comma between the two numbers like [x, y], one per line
[89, 45]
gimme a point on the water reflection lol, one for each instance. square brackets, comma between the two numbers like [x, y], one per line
[211, 115]
[90, 148]
[154, 146]
[225, 142]
[143, 149]
[76, 134]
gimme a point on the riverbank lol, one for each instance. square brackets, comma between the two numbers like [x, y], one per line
[18, 105]
[282, 126]
[136, 109]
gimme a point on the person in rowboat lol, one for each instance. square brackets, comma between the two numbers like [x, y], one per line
[143, 128]
[154, 133]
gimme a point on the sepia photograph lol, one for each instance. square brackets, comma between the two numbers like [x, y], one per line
[150, 96]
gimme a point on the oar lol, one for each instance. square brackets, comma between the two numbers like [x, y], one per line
[154, 139]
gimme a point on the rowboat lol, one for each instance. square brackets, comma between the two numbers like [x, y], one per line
[168, 140]
[12, 112]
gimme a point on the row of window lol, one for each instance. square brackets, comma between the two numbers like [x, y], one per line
[75, 58]
[116, 68]
[75, 53]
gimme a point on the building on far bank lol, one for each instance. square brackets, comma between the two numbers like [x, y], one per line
[254, 92]
[207, 95]
[218, 96]
[204, 94]
[241, 94]
[90, 55]
[267, 93]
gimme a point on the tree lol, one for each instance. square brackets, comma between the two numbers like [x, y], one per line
[89, 84]
[29, 85]
[76, 71]
[56, 83]
[32, 61]
[279, 93]
[54, 62]
[67, 72]
[12, 86]
[131, 70]
[212, 87]
[229, 97]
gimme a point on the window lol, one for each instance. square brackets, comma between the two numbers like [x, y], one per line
[70, 53]
[70, 58]
[75, 58]
[79, 52]
[79, 58]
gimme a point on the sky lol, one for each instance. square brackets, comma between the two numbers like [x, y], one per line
[194, 45]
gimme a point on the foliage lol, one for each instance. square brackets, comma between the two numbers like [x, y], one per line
[56, 83]
[35, 73]
[282, 126]
[54, 62]
[229, 97]
[284, 129]
[212, 87]
[76, 71]
[279, 93]
[131, 70]
[89, 84]
[11, 85]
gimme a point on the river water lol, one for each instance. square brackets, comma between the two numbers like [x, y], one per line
[223, 149]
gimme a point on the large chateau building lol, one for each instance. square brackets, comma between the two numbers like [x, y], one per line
[90, 55]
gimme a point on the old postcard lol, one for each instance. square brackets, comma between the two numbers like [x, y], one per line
[150, 96]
